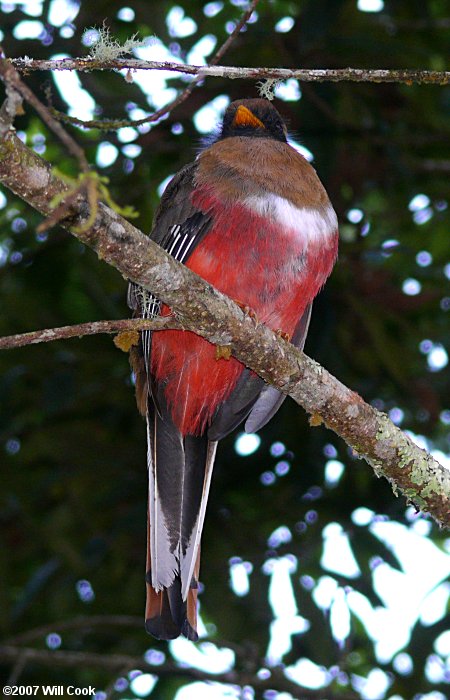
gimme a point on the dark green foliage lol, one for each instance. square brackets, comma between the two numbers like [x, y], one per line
[72, 446]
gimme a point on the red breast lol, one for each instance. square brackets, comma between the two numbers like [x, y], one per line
[272, 244]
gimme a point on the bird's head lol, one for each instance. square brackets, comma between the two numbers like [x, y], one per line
[253, 117]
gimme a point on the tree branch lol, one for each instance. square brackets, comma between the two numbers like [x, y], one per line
[83, 622]
[321, 75]
[202, 309]
[12, 81]
[91, 328]
[115, 662]
[110, 124]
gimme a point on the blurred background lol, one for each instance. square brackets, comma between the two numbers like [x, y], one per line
[316, 580]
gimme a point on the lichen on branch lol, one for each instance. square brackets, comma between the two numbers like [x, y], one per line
[202, 309]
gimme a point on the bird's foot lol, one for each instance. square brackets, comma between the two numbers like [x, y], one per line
[125, 340]
[282, 334]
[248, 311]
[223, 352]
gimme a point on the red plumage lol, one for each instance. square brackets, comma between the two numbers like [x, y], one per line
[247, 258]
[251, 217]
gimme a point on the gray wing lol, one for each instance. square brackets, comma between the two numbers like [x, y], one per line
[252, 398]
[178, 227]
[270, 399]
[179, 467]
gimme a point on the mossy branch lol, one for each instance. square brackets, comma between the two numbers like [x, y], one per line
[202, 309]
[307, 75]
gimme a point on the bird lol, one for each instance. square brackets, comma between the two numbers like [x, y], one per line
[252, 218]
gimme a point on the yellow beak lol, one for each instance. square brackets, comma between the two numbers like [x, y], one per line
[244, 117]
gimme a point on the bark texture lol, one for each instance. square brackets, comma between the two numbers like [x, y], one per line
[197, 306]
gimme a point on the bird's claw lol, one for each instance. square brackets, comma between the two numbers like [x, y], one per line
[223, 352]
[248, 311]
[282, 334]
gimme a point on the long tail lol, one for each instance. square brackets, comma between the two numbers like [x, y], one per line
[179, 470]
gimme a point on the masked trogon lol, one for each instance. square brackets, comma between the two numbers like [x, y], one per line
[251, 217]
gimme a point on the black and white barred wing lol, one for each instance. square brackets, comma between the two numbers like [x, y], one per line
[178, 228]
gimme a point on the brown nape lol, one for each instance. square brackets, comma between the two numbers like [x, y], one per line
[241, 167]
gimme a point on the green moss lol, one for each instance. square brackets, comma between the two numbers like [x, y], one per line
[6, 147]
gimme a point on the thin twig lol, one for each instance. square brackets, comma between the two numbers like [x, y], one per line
[227, 43]
[11, 107]
[83, 622]
[17, 669]
[110, 689]
[113, 124]
[205, 311]
[433, 165]
[11, 78]
[61, 211]
[314, 75]
[91, 328]
[115, 662]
